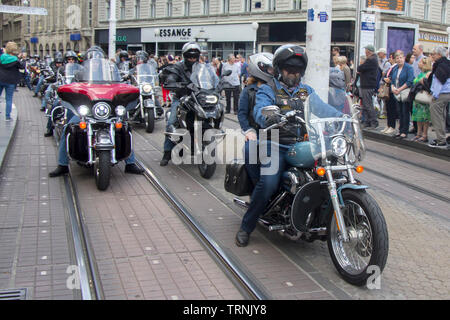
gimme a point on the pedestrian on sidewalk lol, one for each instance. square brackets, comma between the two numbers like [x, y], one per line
[10, 74]
[391, 106]
[232, 84]
[368, 72]
[421, 112]
[439, 82]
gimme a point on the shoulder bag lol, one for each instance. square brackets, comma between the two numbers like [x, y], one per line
[423, 97]
[237, 180]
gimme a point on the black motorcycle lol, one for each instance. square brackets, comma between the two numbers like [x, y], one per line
[319, 197]
[199, 120]
[148, 110]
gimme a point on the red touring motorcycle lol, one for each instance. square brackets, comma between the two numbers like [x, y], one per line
[102, 137]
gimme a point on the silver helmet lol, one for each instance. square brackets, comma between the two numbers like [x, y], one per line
[260, 66]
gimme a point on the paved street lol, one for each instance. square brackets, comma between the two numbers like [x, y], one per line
[144, 251]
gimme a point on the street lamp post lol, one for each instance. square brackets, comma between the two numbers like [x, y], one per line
[112, 30]
[202, 39]
[255, 27]
[156, 41]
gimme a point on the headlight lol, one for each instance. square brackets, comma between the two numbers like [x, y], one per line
[339, 146]
[147, 88]
[211, 99]
[83, 110]
[120, 111]
[101, 110]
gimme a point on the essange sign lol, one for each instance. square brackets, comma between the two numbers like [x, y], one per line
[175, 32]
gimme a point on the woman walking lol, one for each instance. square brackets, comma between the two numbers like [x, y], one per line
[421, 112]
[9, 74]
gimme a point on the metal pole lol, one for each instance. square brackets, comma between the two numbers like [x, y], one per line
[112, 30]
[318, 44]
[156, 42]
[357, 37]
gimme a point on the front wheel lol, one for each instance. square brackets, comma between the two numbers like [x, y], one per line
[368, 243]
[149, 121]
[207, 170]
[102, 169]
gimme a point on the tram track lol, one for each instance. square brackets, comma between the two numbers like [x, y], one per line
[87, 273]
[246, 286]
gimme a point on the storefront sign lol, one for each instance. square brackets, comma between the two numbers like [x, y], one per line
[433, 37]
[175, 32]
[391, 6]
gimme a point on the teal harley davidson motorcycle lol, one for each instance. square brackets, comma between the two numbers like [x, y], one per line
[319, 197]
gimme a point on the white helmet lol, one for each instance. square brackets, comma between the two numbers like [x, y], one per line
[260, 66]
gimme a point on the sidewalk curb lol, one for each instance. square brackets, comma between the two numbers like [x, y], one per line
[7, 135]
[407, 144]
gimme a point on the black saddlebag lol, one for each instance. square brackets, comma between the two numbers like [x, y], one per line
[237, 180]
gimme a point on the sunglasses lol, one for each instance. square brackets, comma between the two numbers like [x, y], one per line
[189, 55]
[292, 69]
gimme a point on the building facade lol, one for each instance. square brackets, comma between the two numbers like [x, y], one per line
[11, 24]
[243, 26]
[69, 25]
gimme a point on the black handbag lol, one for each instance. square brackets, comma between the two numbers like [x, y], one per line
[237, 180]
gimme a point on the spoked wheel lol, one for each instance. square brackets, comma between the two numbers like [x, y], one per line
[102, 169]
[149, 121]
[368, 243]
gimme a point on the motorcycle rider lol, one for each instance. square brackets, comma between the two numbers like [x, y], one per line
[260, 71]
[173, 74]
[288, 92]
[69, 57]
[56, 66]
[63, 159]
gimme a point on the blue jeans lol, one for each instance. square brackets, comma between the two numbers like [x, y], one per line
[266, 187]
[63, 158]
[168, 144]
[9, 93]
[27, 81]
[251, 161]
[403, 109]
[49, 121]
[39, 84]
[48, 94]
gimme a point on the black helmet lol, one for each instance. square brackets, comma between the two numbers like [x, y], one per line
[58, 54]
[290, 56]
[260, 66]
[142, 56]
[58, 60]
[95, 52]
[70, 54]
[123, 54]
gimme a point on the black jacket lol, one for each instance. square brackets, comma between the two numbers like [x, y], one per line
[368, 73]
[9, 72]
[176, 74]
[441, 69]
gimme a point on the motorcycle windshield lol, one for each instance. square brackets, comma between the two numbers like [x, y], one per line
[99, 71]
[70, 70]
[124, 67]
[204, 76]
[146, 73]
[333, 127]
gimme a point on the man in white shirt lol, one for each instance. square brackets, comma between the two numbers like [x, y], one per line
[418, 53]
[232, 83]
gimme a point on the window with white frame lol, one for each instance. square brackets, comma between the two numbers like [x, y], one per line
[152, 8]
[108, 9]
[90, 13]
[444, 12]
[247, 5]
[187, 7]
[296, 4]
[169, 8]
[206, 7]
[408, 7]
[426, 10]
[137, 9]
[271, 5]
[226, 6]
[122, 9]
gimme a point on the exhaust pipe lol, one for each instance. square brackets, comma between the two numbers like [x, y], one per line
[241, 203]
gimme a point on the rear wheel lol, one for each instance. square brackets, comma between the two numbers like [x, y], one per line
[102, 169]
[368, 243]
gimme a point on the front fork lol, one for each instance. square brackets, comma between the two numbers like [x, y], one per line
[336, 205]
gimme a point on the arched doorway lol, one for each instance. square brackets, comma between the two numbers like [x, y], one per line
[76, 47]
[41, 51]
[47, 49]
[68, 46]
[53, 49]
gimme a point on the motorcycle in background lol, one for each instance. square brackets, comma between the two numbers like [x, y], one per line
[148, 110]
[102, 138]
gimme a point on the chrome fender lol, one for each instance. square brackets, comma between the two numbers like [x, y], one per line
[349, 186]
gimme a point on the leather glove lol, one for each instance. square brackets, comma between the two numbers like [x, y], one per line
[273, 119]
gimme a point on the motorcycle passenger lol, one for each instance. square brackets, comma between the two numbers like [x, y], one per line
[63, 159]
[41, 65]
[260, 71]
[286, 91]
[173, 74]
[56, 66]
[69, 57]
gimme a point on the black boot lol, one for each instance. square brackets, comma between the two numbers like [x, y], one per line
[61, 170]
[133, 168]
[42, 109]
[165, 160]
[242, 238]
[49, 133]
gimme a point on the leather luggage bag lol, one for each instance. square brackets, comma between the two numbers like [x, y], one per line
[237, 180]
